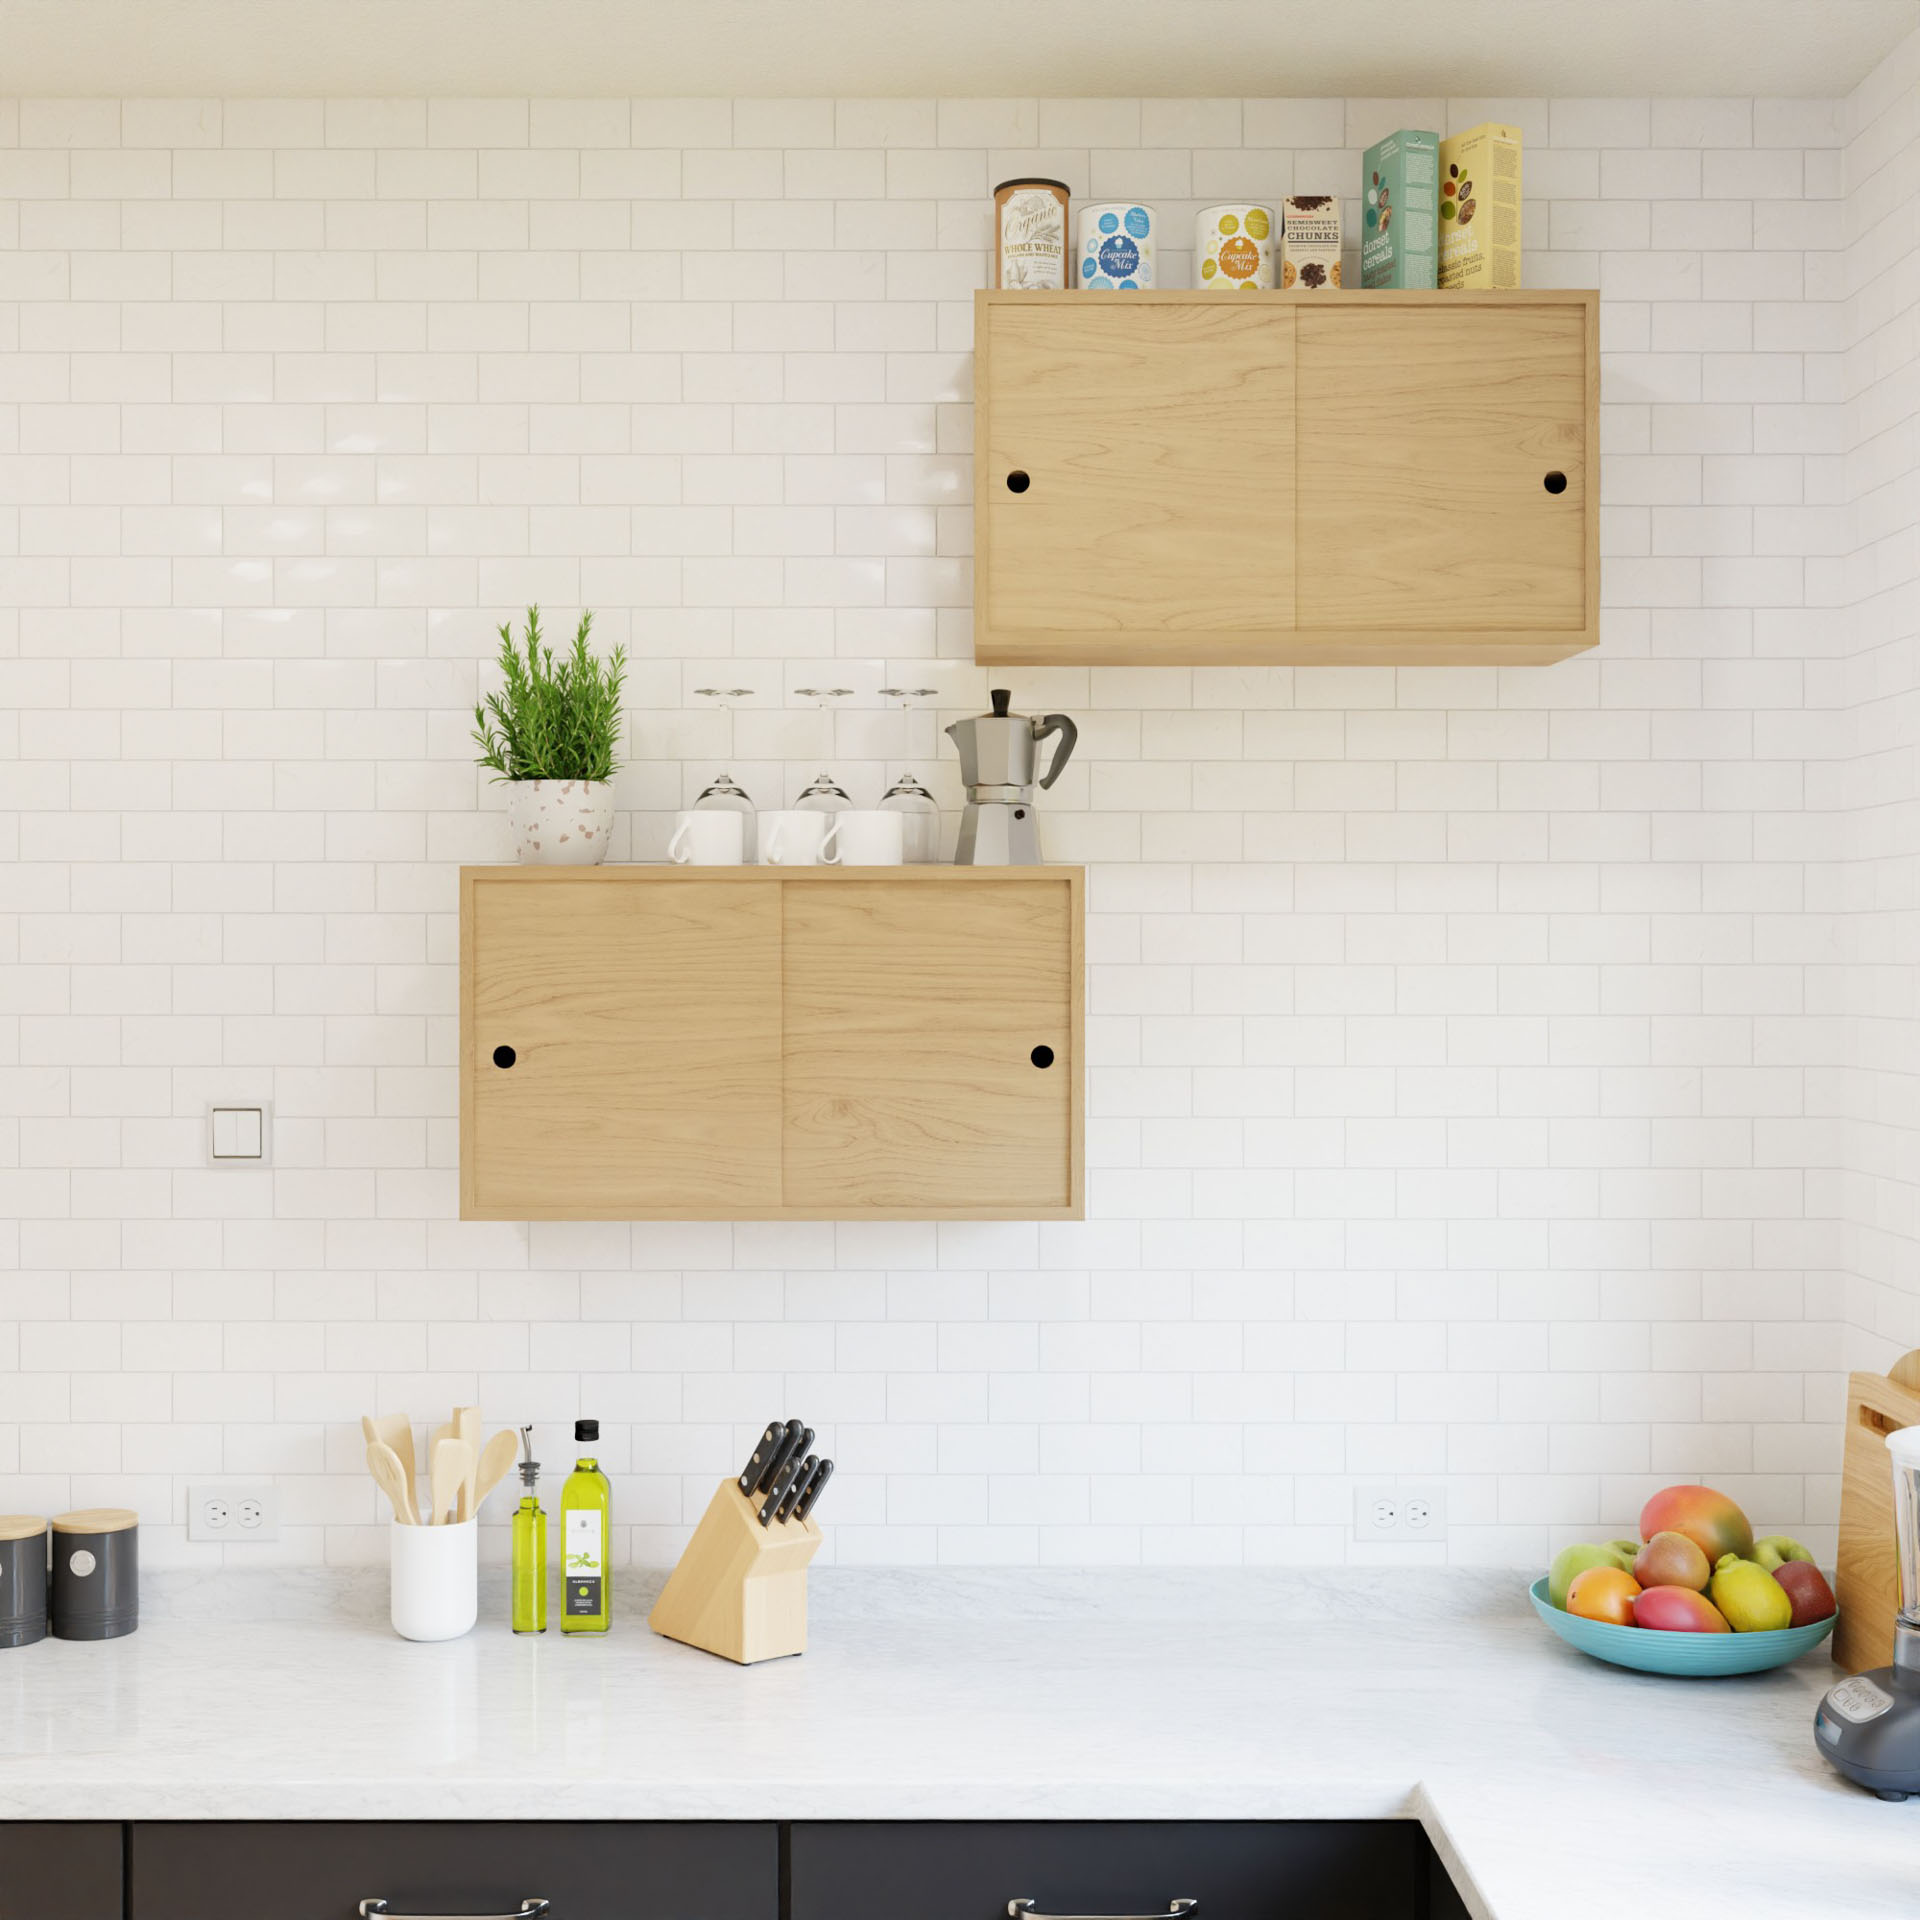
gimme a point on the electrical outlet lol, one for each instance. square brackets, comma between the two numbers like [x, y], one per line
[236, 1512]
[1403, 1515]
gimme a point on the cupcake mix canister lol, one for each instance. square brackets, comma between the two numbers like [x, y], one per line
[1117, 245]
[1233, 248]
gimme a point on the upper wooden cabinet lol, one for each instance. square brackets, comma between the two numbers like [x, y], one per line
[770, 1042]
[1193, 478]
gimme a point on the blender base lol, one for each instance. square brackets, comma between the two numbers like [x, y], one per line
[1868, 1728]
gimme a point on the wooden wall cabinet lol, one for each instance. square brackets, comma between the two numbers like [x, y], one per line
[1193, 478]
[750, 1043]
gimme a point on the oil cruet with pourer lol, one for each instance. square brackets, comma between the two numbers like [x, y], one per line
[999, 755]
[1869, 1725]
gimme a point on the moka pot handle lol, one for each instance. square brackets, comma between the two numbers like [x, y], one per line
[1069, 734]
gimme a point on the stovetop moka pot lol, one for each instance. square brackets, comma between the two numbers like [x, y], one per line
[999, 752]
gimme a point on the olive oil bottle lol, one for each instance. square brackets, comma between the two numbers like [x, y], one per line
[586, 1525]
[529, 1547]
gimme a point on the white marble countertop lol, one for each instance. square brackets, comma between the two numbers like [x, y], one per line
[1551, 1785]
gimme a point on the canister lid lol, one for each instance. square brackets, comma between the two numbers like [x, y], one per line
[1034, 180]
[96, 1520]
[22, 1526]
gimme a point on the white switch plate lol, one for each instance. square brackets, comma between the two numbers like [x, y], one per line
[1405, 1515]
[233, 1512]
[238, 1134]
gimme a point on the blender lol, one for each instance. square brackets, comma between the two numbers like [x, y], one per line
[998, 756]
[1869, 1726]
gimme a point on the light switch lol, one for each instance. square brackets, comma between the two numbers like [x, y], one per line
[239, 1133]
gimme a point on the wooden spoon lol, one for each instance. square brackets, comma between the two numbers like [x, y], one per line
[395, 1430]
[452, 1463]
[391, 1478]
[496, 1462]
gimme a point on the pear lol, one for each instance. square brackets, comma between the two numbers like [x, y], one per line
[1751, 1598]
[1776, 1550]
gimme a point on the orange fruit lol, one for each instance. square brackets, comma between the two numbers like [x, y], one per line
[1604, 1593]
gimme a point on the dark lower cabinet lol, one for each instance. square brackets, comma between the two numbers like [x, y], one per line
[65, 1868]
[1236, 1870]
[589, 1870]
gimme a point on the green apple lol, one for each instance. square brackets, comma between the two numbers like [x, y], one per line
[1776, 1550]
[1570, 1562]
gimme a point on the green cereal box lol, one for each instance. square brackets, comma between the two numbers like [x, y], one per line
[1399, 228]
[1480, 207]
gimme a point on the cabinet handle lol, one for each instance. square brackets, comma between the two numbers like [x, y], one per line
[1025, 1910]
[530, 1908]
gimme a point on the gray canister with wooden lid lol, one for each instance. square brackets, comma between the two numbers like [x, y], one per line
[96, 1574]
[23, 1579]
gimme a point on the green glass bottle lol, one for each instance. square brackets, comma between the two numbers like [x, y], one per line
[529, 1547]
[586, 1527]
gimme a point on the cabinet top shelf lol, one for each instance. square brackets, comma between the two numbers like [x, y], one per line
[928, 875]
[1331, 297]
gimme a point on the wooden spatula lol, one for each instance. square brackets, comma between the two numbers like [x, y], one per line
[395, 1430]
[496, 1462]
[390, 1477]
[466, 1429]
[452, 1465]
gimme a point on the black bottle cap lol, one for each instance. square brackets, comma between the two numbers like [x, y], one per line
[586, 1429]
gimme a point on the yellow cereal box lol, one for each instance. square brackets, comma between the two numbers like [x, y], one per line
[1480, 207]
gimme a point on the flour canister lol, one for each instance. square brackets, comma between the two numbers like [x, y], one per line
[23, 1579]
[1233, 248]
[1030, 233]
[96, 1574]
[1117, 244]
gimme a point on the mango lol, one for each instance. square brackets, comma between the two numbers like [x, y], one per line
[1678, 1610]
[1672, 1560]
[1608, 1593]
[1751, 1598]
[1777, 1549]
[1570, 1562]
[1710, 1520]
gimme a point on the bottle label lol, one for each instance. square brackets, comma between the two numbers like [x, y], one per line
[585, 1565]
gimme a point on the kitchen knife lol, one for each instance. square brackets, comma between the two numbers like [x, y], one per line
[814, 1487]
[763, 1451]
[797, 1488]
[788, 1447]
[789, 1472]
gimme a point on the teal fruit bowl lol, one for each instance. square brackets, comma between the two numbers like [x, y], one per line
[1690, 1656]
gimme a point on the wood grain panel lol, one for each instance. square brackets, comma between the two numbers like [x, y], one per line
[1425, 436]
[645, 1022]
[1867, 1573]
[910, 1018]
[1158, 442]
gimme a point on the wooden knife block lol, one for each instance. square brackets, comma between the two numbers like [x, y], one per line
[740, 1589]
[1867, 1577]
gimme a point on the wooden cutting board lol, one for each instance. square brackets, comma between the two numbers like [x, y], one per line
[1867, 1582]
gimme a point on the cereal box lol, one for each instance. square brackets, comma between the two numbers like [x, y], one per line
[1480, 207]
[1310, 242]
[1399, 228]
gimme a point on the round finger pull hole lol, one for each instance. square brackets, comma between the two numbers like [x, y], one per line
[504, 1056]
[1555, 482]
[1018, 481]
[1041, 1056]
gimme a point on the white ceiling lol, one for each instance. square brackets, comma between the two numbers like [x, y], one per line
[1399, 48]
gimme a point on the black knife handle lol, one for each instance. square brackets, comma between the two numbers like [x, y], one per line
[821, 1475]
[791, 1498]
[762, 1453]
[783, 1450]
[789, 1472]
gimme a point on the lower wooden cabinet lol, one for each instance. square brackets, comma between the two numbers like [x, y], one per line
[60, 1870]
[771, 1042]
[1236, 1870]
[322, 1870]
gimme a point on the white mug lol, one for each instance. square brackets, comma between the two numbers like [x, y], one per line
[866, 837]
[708, 837]
[794, 838]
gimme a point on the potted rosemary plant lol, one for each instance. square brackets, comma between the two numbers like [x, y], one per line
[551, 733]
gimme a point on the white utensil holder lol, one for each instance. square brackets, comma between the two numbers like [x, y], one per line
[435, 1588]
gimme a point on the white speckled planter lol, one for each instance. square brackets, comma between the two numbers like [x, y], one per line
[560, 823]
